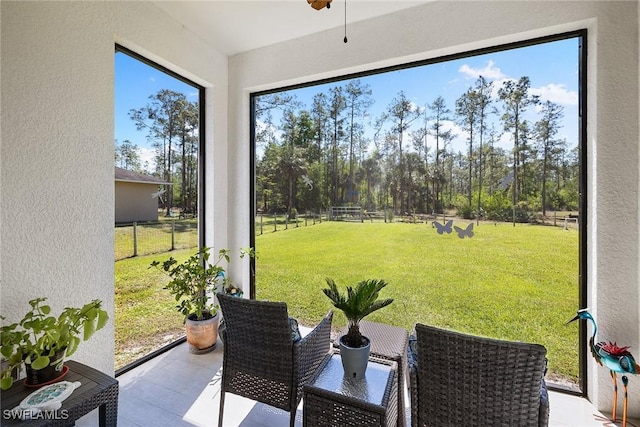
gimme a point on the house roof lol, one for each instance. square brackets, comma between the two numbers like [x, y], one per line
[124, 175]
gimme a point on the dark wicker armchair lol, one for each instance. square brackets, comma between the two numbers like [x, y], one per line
[463, 380]
[262, 361]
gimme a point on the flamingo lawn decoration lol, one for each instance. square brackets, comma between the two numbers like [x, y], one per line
[616, 359]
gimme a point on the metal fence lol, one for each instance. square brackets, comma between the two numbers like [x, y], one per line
[157, 237]
[269, 223]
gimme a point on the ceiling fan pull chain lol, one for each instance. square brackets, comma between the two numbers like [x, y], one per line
[345, 21]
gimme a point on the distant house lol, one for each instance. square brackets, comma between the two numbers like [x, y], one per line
[136, 196]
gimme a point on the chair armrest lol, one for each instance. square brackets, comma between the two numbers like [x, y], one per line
[310, 351]
[543, 413]
[412, 361]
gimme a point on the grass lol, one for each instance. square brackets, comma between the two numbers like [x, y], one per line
[145, 317]
[517, 283]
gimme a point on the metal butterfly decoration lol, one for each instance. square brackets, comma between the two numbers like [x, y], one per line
[446, 228]
[464, 232]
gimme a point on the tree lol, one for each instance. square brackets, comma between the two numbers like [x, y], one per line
[400, 113]
[263, 107]
[419, 139]
[467, 111]
[483, 101]
[357, 101]
[188, 145]
[546, 129]
[292, 165]
[319, 114]
[163, 118]
[372, 176]
[337, 105]
[440, 114]
[473, 108]
[324, 147]
[516, 98]
[127, 156]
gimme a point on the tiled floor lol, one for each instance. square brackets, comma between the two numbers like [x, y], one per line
[181, 389]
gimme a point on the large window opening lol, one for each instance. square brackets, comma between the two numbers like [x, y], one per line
[158, 200]
[457, 180]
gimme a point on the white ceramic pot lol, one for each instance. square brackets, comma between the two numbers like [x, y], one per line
[355, 359]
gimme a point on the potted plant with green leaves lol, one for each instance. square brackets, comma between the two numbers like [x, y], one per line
[194, 284]
[356, 304]
[42, 341]
[227, 285]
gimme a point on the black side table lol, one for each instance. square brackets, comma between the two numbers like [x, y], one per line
[332, 400]
[390, 343]
[97, 390]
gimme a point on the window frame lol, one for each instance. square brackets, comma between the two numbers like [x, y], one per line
[201, 179]
[581, 35]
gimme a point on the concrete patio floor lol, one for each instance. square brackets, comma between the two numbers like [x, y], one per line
[181, 389]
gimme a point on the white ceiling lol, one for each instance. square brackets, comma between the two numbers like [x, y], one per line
[234, 26]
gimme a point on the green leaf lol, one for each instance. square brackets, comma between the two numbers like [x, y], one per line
[103, 318]
[41, 362]
[89, 329]
[6, 382]
[6, 350]
[74, 342]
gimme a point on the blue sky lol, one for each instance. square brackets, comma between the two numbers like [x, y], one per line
[551, 67]
[135, 81]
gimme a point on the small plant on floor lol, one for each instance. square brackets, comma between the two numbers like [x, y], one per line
[356, 304]
[228, 287]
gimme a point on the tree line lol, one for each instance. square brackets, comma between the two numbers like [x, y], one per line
[319, 155]
[171, 122]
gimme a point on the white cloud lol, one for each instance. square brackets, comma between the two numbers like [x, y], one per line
[490, 72]
[147, 155]
[556, 93]
[414, 106]
[505, 141]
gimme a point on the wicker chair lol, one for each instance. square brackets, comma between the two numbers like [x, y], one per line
[261, 360]
[464, 380]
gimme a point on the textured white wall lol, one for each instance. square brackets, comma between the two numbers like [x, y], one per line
[450, 27]
[56, 175]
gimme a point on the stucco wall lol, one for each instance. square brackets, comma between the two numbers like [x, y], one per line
[450, 27]
[57, 172]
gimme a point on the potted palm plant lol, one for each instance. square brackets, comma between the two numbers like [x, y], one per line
[356, 304]
[194, 284]
[42, 341]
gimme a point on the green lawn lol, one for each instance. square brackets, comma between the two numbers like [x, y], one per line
[516, 283]
[146, 317]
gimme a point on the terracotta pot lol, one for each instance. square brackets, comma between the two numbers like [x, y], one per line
[202, 335]
[355, 359]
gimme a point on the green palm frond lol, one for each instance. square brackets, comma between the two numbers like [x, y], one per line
[358, 302]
